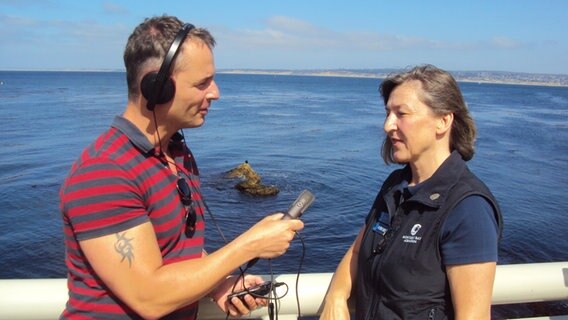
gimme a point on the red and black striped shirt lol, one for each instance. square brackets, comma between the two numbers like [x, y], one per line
[116, 184]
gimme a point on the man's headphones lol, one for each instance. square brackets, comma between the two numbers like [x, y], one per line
[158, 87]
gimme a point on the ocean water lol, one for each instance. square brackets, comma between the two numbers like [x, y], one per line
[318, 133]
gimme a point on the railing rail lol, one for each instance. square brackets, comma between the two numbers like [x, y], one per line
[37, 299]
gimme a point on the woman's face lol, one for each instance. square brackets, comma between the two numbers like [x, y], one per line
[410, 124]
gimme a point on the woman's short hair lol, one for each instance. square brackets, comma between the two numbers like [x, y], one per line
[441, 93]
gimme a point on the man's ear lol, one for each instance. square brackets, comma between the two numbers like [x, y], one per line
[444, 123]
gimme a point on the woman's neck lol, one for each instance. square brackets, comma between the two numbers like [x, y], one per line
[425, 167]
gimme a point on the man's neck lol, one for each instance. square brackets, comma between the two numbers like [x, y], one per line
[156, 131]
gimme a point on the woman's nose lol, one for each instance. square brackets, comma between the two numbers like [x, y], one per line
[389, 123]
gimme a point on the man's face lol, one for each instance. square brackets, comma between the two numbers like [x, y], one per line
[195, 86]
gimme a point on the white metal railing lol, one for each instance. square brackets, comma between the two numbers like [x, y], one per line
[36, 299]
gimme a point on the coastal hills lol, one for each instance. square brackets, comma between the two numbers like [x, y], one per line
[504, 77]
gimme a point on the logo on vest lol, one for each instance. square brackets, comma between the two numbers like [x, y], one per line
[413, 238]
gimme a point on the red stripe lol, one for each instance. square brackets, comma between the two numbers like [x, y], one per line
[146, 178]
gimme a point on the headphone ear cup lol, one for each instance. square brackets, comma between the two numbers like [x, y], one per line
[168, 92]
[147, 85]
[148, 91]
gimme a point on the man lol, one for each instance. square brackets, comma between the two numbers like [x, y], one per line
[132, 207]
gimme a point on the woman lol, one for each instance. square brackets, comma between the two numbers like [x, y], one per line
[428, 248]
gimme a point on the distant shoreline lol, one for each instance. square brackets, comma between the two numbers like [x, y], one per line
[485, 77]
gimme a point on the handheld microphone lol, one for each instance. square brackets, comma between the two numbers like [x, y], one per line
[295, 211]
[302, 203]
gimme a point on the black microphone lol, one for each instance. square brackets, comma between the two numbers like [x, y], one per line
[302, 203]
[295, 211]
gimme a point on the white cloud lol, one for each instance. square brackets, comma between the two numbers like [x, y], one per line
[289, 43]
[16, 22]
[290, 34]
[113, 8]
[54, 44]
[505, 43]
[27, 3]
[295, 26]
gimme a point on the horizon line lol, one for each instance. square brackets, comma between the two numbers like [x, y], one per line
[220, 70]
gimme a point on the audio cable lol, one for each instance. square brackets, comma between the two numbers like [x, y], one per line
[273, 298]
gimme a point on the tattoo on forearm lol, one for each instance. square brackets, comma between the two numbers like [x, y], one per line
[124, 247]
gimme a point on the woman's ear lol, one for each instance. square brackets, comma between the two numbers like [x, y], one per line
[444, 123]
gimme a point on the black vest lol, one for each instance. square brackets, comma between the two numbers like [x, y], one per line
[400, 274]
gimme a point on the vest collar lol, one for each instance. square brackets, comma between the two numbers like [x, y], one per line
[434, 191]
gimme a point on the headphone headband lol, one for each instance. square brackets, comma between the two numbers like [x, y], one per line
[164, 72]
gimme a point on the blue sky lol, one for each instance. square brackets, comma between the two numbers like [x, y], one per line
[499, 35]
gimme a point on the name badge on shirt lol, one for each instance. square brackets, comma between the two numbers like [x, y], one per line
[382, 225]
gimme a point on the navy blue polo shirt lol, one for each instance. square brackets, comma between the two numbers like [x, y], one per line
[460, 242]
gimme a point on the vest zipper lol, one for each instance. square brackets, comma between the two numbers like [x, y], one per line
[377, 265]
[431, 314]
